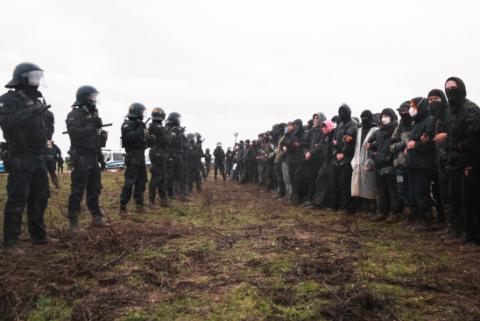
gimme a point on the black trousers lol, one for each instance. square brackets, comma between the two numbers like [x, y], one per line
[441, 195]
[387, 194]
[194, 176]
[52, 169]
[229, 168]
[176, 175]
[207, 169]
[419, 180]
[219, 167]
[471, 207]
[341, 187]
[402, 187]
[295, 180]
[322, 197]
[279, 178]
[158, 180]
[465, 209]
[85, 177]
[135, 179]
[27, 186]
[270, 178]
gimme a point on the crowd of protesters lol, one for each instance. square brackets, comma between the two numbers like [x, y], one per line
[419, 165]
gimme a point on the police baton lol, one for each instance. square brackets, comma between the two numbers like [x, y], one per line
[104, 125]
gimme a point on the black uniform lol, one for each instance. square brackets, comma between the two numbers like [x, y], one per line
[23, 126]
[208, 161]
[193, 161]
[158, 157]
[229, 156]
[134, 140]
[84, 126]
[219, 155]
[176, 165]
[50, 156]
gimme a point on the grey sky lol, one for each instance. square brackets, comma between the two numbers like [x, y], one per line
[241, 66]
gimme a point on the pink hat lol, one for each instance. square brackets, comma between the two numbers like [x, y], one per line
[329, 124]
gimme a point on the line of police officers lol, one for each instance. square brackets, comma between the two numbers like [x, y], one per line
[28, 126]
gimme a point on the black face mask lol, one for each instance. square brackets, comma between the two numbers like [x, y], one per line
[366, 121]
[454, 95]
[435, 107]
[344, 116]
[91, 108]
[405, 117]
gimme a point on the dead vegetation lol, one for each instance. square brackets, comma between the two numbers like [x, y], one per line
[236, 253]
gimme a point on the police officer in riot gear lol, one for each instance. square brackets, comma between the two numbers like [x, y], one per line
[84, 127]
[158, 157]
[135, 139]
[199, 142]
[219, 155]
[22, 122]
[193, 157]
[51, 159]
[176, 164]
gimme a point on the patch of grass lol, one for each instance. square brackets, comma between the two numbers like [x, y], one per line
[242, 303]
[278, 265]
[47, 309]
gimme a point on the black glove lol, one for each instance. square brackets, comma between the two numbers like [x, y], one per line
[95, 122]
[39, 109]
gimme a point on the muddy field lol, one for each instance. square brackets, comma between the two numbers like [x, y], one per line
[236, 253]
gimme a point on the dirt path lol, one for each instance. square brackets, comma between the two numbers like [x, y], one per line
[235, 253]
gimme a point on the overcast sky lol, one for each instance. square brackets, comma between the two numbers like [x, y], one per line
[240, 66]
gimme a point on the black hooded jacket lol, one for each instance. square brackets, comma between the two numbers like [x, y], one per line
[463, 130]
[315, 138]
[219, 155]
[345, 134]
[441, 113]
[381, 140]
[293, 142]
[423, 154]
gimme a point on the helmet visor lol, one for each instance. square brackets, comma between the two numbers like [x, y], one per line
[34, 77]
[92, 98]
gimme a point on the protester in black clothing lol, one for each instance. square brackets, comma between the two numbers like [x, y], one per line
[323, 182]
[420, 161]
[462, 143]
[343, 149]
[385, 176]
[399, 143]
[314, 155]
[292, 146]
[440, 111]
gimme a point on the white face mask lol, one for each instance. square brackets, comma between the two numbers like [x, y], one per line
[386, 120]
[413, 111]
